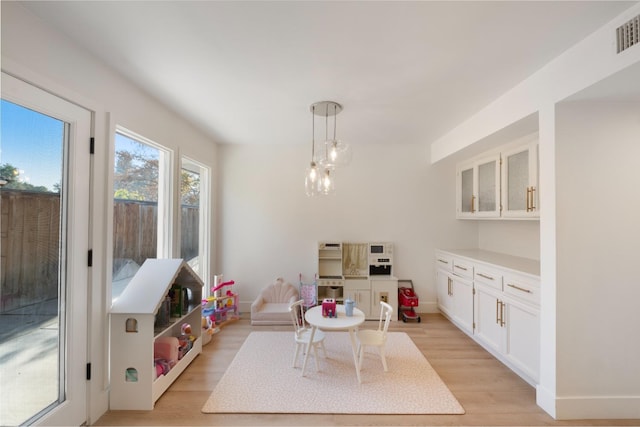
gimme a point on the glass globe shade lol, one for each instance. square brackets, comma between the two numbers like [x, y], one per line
[337, 154]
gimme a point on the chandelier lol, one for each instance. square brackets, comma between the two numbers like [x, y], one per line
[319, 178]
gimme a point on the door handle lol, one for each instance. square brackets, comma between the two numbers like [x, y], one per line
[533, 206]
[518, 288]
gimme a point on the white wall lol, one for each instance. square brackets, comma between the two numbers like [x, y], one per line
[598, 237]
[33, 52]
[518, 238]
[270, 228]
[590, 61]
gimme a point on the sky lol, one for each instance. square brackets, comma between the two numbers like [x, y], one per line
[31, 142]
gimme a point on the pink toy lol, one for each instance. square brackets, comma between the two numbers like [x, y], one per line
[329, 308]
[222, 285]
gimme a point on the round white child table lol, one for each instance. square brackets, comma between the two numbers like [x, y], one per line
[313, 316]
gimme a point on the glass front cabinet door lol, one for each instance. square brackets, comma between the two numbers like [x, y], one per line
[520, 182]
[478, 188]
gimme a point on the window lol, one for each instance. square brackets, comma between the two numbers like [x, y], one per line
[194, 216]
[141, 205]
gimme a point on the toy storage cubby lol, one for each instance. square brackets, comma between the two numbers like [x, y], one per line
[134, 330]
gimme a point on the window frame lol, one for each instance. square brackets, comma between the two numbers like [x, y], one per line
[204, 220]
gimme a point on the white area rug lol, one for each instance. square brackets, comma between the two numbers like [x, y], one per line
[261, 380]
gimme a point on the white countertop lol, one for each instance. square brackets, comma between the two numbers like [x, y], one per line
[515, 263]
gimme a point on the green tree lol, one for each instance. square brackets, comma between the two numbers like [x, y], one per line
[190, 188]
[11, 175]
[123, 193]
[135, 176]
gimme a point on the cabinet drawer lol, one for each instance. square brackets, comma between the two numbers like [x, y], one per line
[488, 276]
[463, 268]
[524, 288]
[444, 262]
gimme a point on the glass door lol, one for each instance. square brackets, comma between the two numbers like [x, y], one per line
[520, 181]
[45, 179]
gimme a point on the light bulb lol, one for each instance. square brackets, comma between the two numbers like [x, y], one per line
[333, 152]
[313, 173]
[337, 154]
[312, 184]
[327, 183]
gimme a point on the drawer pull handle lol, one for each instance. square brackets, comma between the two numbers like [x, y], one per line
[485, 276]
[519, 288]
[443, 261]
[461, 268]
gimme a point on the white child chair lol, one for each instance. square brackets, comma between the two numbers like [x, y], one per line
[376, 338]
[303, 332]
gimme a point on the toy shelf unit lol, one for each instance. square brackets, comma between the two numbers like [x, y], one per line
[163, 297]
[330, 280]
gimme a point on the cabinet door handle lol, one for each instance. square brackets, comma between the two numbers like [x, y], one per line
[519, 288]
[449, 292]
[498, 311]
[485, 276]
[533, 206]
[528, 198]
[502, 322]
[473, 204]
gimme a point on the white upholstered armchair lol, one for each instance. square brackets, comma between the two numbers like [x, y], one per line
[272, 305]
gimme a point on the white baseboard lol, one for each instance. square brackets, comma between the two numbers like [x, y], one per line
[546, 400]
[597, 407]
[428, 307]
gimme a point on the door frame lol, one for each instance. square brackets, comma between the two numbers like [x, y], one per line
[74, 409]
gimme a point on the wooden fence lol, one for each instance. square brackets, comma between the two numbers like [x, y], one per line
[30, 230]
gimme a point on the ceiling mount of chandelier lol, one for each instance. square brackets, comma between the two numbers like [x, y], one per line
[334, 153]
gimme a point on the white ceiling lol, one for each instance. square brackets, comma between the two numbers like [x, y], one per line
[405, 72]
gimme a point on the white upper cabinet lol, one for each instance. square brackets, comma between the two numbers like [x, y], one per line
[501, 184]
[478, 185]
[520, 181]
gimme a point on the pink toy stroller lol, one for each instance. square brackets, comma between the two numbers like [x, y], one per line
[309, 292]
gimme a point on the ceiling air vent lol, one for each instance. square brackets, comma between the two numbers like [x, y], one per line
[628, 34]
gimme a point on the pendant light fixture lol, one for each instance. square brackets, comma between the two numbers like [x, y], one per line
[319, 179]
[337, 153]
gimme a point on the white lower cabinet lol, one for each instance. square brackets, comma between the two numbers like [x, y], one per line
[503, 315]
[488, 328]
[383, 289]
[522, 338]
[454, 282]
[443, 288]
[359, 290]
[366, 292]
[463, 303]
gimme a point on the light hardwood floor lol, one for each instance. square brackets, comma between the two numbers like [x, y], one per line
[490, 393]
